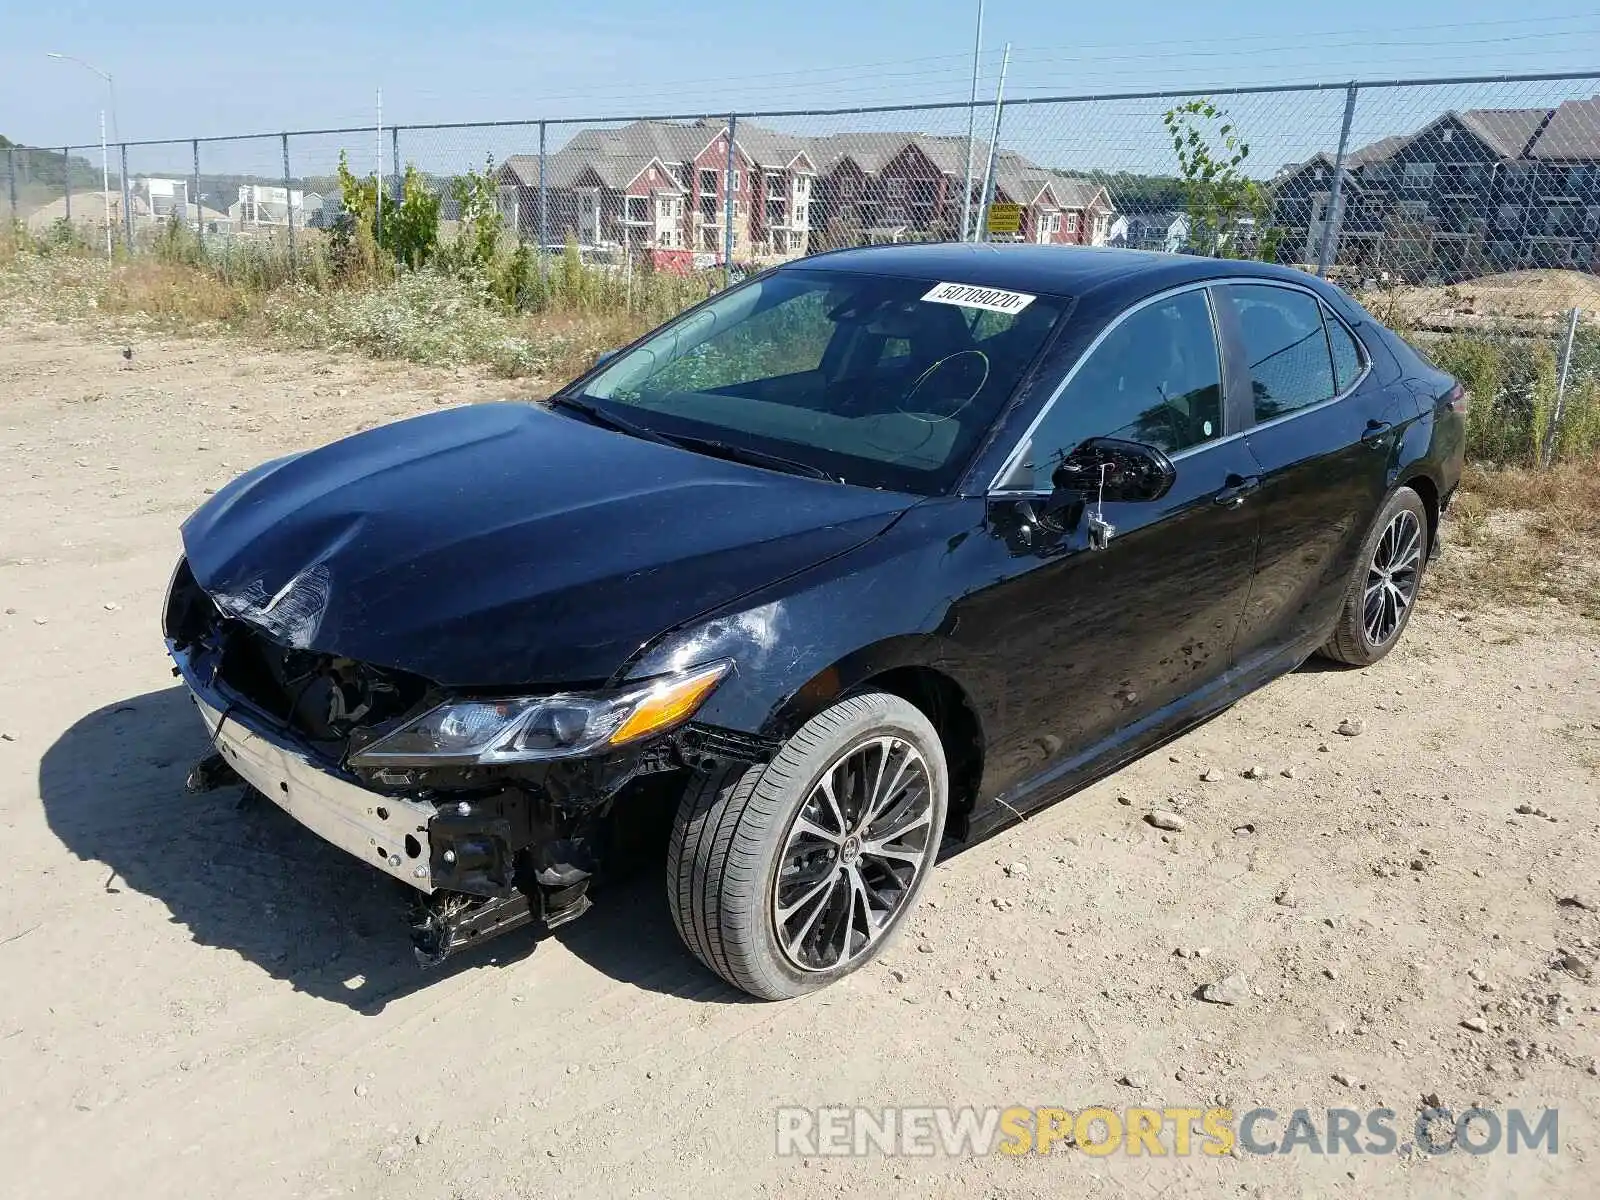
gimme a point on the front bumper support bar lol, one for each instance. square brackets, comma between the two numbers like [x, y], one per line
[390, 832]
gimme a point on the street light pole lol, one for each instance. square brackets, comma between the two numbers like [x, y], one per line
[105, 156]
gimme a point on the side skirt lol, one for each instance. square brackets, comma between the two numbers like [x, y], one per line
[1062, 779]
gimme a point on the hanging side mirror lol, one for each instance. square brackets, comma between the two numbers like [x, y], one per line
[1113, 470]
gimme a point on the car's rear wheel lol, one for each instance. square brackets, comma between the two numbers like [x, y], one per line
[784, 876]
[1383, 590]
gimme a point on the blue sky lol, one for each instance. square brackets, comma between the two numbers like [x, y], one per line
[196, 70]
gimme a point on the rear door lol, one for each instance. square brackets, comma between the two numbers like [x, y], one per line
[1324, 435]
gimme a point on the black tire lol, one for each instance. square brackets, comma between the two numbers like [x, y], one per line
[1352, 641]
[731, 828]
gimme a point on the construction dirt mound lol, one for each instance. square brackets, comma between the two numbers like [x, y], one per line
[1526, 298]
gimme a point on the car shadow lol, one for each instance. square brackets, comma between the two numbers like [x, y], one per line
[240, 874]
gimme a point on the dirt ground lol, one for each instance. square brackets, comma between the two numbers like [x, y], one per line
[199, 999]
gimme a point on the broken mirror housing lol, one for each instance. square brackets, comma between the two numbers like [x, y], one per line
[535, 728]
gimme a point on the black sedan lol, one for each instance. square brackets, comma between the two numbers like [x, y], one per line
[867, 556]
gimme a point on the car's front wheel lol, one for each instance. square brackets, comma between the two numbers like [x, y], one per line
[1383, 591]
[786, 875]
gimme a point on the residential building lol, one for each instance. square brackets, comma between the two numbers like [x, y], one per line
[1057, 209]
[1472, 192]
[1167, 231]
[892, 187]
[661, 187]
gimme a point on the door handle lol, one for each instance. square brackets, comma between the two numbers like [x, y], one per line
[1375, 431]
[1236, 489]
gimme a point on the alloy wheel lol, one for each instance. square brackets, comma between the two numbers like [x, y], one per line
[853, 854]
[1392, 578]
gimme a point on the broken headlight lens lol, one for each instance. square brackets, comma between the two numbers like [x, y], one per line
[540, 727]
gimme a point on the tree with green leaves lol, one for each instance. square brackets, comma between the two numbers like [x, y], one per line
[410, 229]
[1228, 211]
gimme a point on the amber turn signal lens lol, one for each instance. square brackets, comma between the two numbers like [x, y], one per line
[674, 700]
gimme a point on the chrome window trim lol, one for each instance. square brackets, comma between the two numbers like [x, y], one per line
[1010, 462]
[1361, 349]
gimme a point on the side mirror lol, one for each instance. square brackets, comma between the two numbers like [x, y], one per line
[1116, 470]
[604, 357]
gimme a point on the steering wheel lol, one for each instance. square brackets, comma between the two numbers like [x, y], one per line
[946, 386]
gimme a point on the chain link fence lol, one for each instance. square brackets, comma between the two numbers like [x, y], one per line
[1464, 211]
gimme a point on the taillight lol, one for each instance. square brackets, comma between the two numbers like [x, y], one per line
[1455, 400]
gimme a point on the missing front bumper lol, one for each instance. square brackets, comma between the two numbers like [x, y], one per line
[479, 865]
[390, 832]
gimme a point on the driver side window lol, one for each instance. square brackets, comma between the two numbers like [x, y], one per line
[1156, 379]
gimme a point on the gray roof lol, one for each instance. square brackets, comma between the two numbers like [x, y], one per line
[1506, 131]
[617, 156]
[1023, 182]
[1573, 132]
[870, 151]
[1373, 151]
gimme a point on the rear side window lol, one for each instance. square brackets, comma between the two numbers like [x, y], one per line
[1346, 354]
[1285, 348]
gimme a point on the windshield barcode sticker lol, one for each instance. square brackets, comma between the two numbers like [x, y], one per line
[970, 296]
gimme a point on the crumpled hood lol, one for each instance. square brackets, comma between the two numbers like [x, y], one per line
[503, 545]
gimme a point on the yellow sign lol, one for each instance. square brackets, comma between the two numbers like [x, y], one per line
[1005, 218]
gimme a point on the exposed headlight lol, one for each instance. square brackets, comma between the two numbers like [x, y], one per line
[532, 728]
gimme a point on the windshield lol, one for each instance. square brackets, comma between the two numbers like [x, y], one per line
[878, 381]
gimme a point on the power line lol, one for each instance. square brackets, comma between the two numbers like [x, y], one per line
[1319, 48]
[1231, 39]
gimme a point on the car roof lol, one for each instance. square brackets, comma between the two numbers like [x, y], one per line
[1051, 270]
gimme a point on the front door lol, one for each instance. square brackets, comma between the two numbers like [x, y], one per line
[1092, 642]
[1324, 438]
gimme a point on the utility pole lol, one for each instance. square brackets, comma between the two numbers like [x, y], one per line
[377, 232]
[972, 119]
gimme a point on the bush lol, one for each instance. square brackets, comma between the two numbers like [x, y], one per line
[408, 232]
[1512, 383]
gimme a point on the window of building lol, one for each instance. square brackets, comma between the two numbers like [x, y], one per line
[1414, 210]
[1419, 174]
[1072, 222]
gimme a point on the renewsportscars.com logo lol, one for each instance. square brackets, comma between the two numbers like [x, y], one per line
[1157, 1132]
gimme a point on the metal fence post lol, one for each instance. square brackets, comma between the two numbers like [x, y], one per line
[288, 197]
[980, 226]
[394, 162]
[544, 211]
[127, 203]
[199, 204]
[1553, 430]
[1334, 217]
[66, 178]
[11, 179]
[728, 203]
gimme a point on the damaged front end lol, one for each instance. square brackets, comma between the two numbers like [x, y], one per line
[497, 811]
